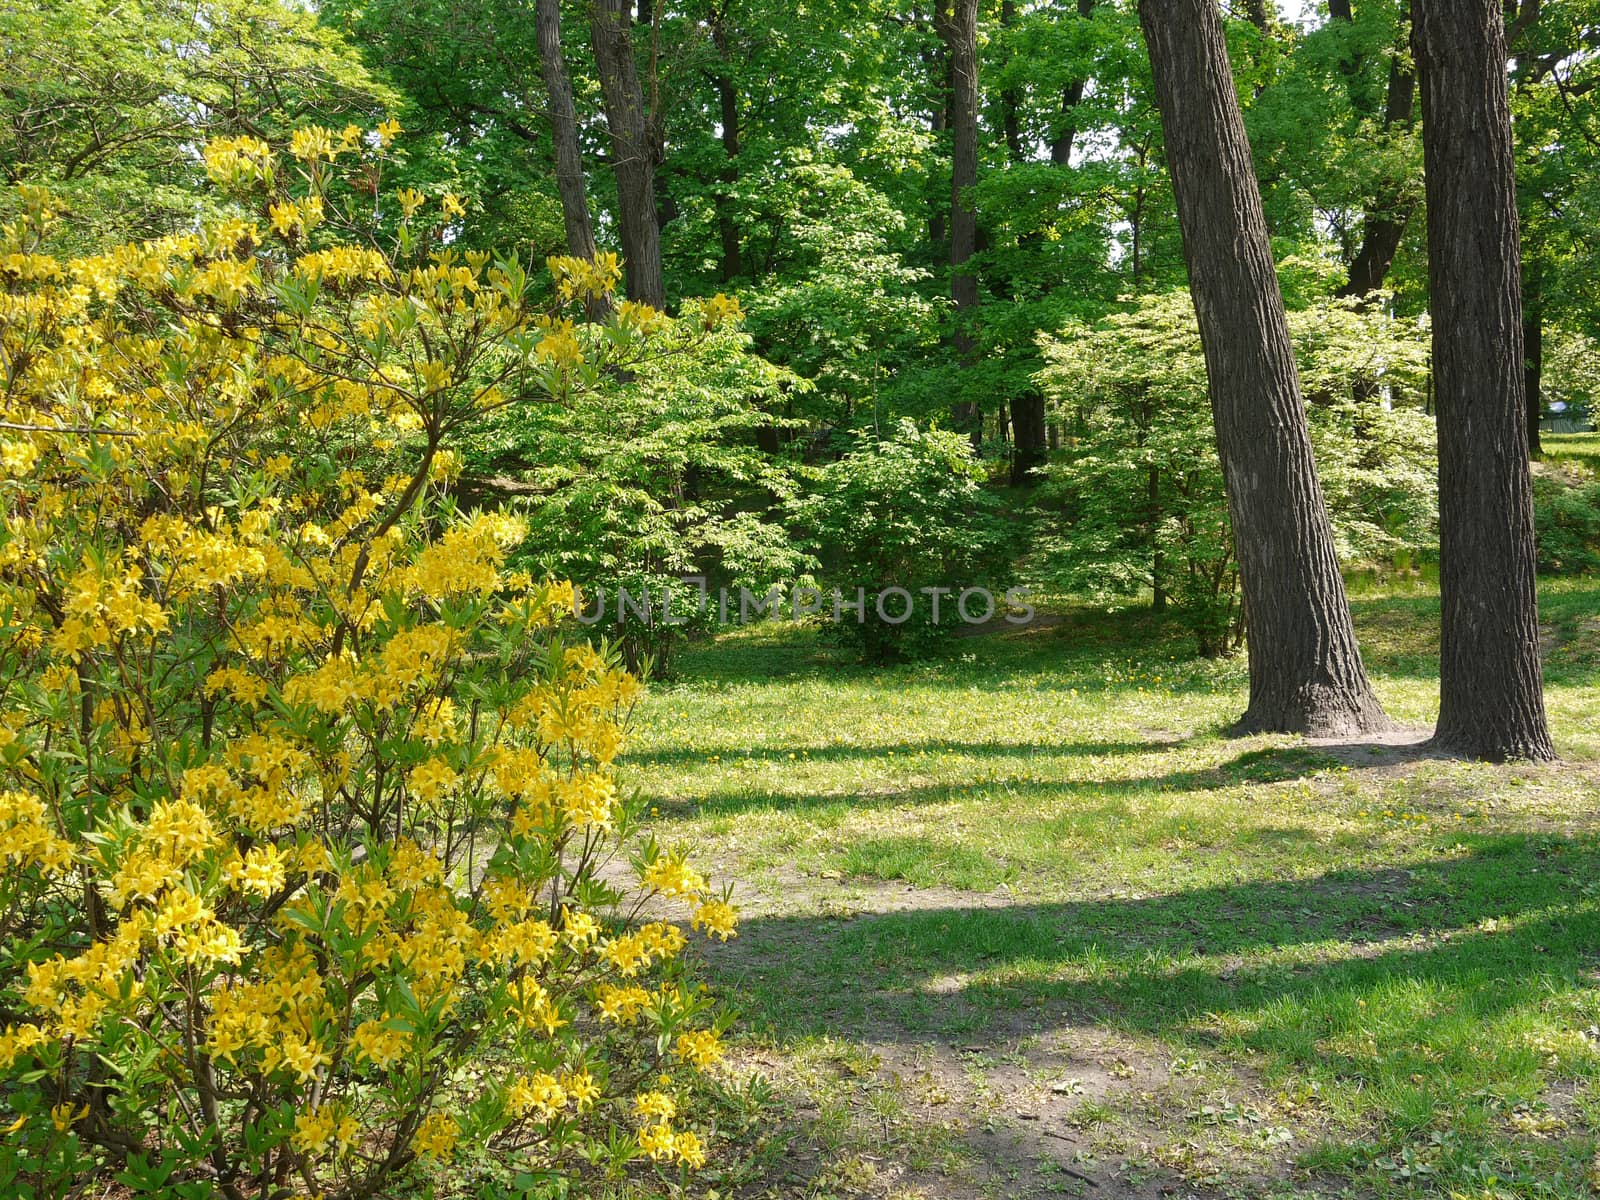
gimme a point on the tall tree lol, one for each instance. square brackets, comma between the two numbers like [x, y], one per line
[633, 150]
[728, 110]
[1555, 83]
[1029, 426]
[1384, 221]
[958, 28]
[1306, 674]
[1011, 99]
[564, 130]
[1491, 702]
[1071, 96]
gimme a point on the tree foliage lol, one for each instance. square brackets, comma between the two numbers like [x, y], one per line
[104, 103]
[893, 517]
[1135, 504]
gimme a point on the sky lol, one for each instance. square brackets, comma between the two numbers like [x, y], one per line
[1296, 10]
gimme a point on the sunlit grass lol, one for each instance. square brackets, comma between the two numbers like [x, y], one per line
[1405, 956]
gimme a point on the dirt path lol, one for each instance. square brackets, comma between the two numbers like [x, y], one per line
[1031, 1103]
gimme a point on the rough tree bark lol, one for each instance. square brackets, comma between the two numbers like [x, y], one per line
[1491, 694]
[1028, 437]
[632, 152]
[959, 30]
[564, 130]
[1306, 674]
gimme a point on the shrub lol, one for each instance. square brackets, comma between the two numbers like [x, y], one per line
[1566, 518]
[303, 800]
[655, 481]
[907, 511]
[1136, 502]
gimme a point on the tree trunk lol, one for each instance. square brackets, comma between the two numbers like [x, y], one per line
[1384, 222]
[632, 152]
[1533, 349]
[938, 64]
[727, 226]
[1306, 674]
[1071, 97]
[1028, 437]
[728, 100]
[960, 33]
[1158, 566]
[1491, 696]
[564, 130]
[1010, 101]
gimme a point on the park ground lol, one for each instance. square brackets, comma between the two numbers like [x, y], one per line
[1023, 920]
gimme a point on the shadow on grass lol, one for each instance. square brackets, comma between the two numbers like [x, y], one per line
[1399, 636]
[1157, 963]
[1416, 993]
[1252, 767]
[902, 750]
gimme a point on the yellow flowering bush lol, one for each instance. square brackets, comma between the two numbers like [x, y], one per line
[306, 808]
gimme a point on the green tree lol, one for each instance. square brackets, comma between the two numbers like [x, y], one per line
[104, 103]
[903, 525]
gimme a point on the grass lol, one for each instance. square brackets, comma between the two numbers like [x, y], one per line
[1024, 914]
[1581, 449]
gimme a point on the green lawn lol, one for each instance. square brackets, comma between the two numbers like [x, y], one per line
[1022, 917]
[1582, 449]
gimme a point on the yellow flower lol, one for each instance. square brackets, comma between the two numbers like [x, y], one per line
[378, 1044]
[655, 1106]
[435, 376]
[387, 132]
[303, 1058]
[672, 876]
[238, 160]
[579, 928]
[691, 1150]
[540, 1094]
[657, 1141]
[18, 456]
[179, 909]
[410, 200]
[284, 216]
[436, 1136]
[720, 310]
[702, 1048]
[620, 1005]
[314, 1130]
[312, 142]
[581, 1087]
[18, 1040]
[261, 871]
[431, 780]
[717, 918]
